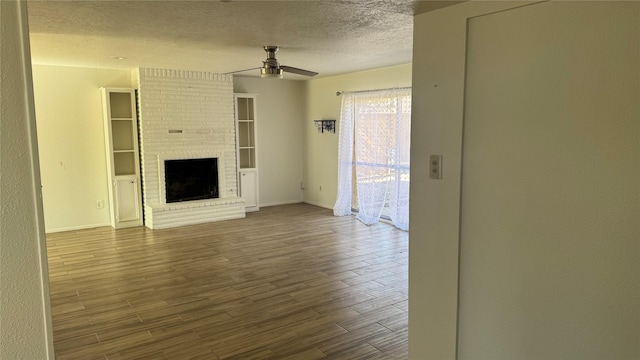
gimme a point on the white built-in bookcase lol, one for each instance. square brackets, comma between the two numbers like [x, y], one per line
[123, 164]
[246, 144]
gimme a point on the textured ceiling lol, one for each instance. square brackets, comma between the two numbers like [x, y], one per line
[328, 36]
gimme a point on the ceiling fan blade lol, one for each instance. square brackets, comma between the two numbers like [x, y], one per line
[291, 69]
[239, 71]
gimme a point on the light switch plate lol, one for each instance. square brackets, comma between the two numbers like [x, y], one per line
[435, 167]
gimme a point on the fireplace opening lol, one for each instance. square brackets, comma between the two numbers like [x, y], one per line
[191, 179]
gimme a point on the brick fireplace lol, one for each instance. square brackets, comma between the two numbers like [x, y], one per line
[186, 115]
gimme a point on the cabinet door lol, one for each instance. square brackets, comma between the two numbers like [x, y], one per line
[249, 188]
[127, 198]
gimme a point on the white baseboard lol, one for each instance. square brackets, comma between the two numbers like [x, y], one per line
[317, 204]
[281, 203]
[71, 228]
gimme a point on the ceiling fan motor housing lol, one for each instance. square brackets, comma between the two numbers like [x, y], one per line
[271, 67]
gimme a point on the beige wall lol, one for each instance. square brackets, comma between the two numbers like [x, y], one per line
[71, 141]
[25, 322]
[597, 310]
[280, 105]
[321, 149]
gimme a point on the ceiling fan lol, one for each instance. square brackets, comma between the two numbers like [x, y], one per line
[272, 69]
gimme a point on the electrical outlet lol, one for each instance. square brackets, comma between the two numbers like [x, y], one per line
[100, 204]
[320, 187]
[435, 167]
[302, 187]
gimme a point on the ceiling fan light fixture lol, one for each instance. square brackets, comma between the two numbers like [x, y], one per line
[271, 73]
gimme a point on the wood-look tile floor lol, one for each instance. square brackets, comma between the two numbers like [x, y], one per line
[287, 282]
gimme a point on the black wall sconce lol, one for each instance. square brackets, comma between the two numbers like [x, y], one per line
[323, 126]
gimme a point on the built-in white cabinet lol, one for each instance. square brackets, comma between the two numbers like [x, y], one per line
[249, 188]
[123, 164]
[246, 143]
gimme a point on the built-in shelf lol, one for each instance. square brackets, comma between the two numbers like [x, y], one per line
[247, 149]
[246, 138]
[122, 134]
[120, 105]
[121, 139]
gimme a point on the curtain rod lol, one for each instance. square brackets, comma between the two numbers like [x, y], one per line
[338, 93]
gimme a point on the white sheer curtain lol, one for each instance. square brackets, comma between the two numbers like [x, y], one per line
[377, 125]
